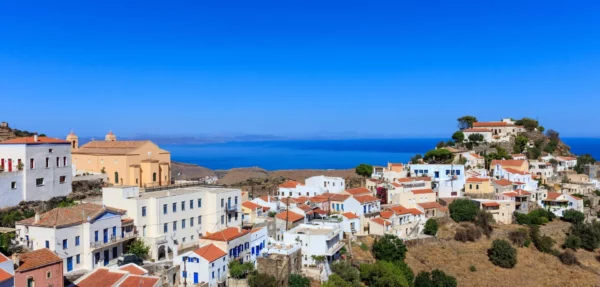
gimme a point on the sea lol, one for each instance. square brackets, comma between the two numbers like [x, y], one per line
[322, 154]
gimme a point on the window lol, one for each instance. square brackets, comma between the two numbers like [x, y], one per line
[191, 221]
[77, 259]
[235, 202]
[144, 231]
[165, 228]
[222, 202]
[222, 219]
[76, 240]
[143, 211]
[48, 275]
[65, 244]
[199, 202]
[50, 150]
[477, 186]
[116, 177]
[182, 223]
[154, 177]
[174, 207]
[13, 185]
[57, 161]
[65, 161]
[182, 205]
[165, 209]
[191, 204]
[47, 162]
[39, 181]
[174, 225]
[192, 238]
[47, 244]
[31, 163]
[96, 235]
[183, 240]
[62, 179]
[199, 219]
[470, 186]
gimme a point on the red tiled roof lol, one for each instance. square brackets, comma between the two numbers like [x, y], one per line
[477, 179]
[301, 199]
[320, 211]
[386, 214]
[396, 164]
[350, 215]
[510, 194]
[410, 179]
[304, 207]
[477, 130]
[226, 234]
[508, 162]
[69, 215]
[256, 229]
[380, 221]
[291, 216]
[512, 170]
[266, 198]
[336, 196]
[251, 205]
[3, 258]
[133, 269]
[101, 277]
[430, 205]
[503, 182]
[139, 281]
[358, 190]
[422, 191]
[490, 204]
[475, 155]
[318, 198]
[288, 201]
[553, 195]
[210, 252]
[403, 210]
[29, 140]
[126, 220]
[37, 258]
[365, 198]
[4, 275]
[490, 124]
[522, 192]
[396, 184]
[575, 197]
[290, 184]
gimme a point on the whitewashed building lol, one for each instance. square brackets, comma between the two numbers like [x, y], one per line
[329, 183]
[205, 264]
[566, 163]
[258, 241]
[560, 202]
[521, 178]
[34, 168]
[172, 219]
[317, 239]
[85, 236]
[448, 179]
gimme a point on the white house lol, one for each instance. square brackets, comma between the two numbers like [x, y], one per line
[559, 203]
[448, 179]
[486, 133]
[205, 264]
[566, 162]
[271, 202]
[473, 160]
[329, 183]
[404, 222]
[34, 168]
[173, 219]
[542, 169]
[85, 236]
[351, 223]
[521, 178]
[258, 241]
[232, 239]
[317, 239]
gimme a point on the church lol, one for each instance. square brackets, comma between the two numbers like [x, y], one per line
[133, 163]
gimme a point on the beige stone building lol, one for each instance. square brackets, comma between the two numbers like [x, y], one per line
[132, 163]
[501, 210]
[478, 185]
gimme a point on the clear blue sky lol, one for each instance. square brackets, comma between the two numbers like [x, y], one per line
[405, 68]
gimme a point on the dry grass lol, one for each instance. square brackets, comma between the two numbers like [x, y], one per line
[363, 256]
[533, 267]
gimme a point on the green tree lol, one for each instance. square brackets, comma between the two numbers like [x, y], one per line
[336, 281]
[438, 156]
[261, 280]
[466, 122]
[297, 280]
[347, 272]
[458, 137]
[415, 159]
[364, 170]
[541, 129]
[476, 138]
[139, 248]
[573, 216]
[589, 234]
[431, 227]
[553, 135]
[239, 270]
[533, 153]
[528, 123]
[484, 220]
[502, 254]
[582, 161]
[441, 144]
[520, 144]
[542, 243]
[463, 210]
[572, 242]
[450, 143]
[382, 274]
[389, 248]
[436, 278]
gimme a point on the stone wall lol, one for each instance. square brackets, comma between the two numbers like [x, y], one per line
[281, 266]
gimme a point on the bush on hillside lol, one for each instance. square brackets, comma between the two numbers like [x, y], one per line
[382, 274]
[463, 210]
[261, 280]
[484, 220]
[536, 217]
[297, 280]
[467, 232]
[568, 258]
[573, 216]
[431, 227]
[572, 242]
[519, 236]
[435, 278]
[589, 234]
[389, 248]
[346, 271]
[542, 243]
[502, 254]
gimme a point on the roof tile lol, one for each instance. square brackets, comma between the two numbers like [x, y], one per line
[210, 252]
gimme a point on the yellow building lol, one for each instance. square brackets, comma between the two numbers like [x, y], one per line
[134, 163]
[478, 185]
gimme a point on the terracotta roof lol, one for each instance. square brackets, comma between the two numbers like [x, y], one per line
[4, 275]
[475, 155]
[304, 207]
[490, 124]
[358, 190]
[522, 192]
[430, 205]
[256, 229]
[490, 204]
[510, 194]
[266, 198]
[301, 199]
[210, 252]
[320, 211]
[380, 221]
[365, 198]
[400, 210]
[410, 179]
[291, 216]
[133, 269]
[386, 214]
[37, 258]
[512, 170]
[396, 184]
[71, 215]
[126, 220]
[336, 196]
[226, 234]
[422, 191]
[508, 162]
[477, 179]
[251, 205]
[290, 184]
[575, 197]
[553, 195]
[350, 215]
[139, 281]
[113, 147]
[396, 164]
[503, 182]
[30, 140]
[566, 158]
[287, 200]
[477, 130]
[3, 258]
[318, 198]
[101, 277]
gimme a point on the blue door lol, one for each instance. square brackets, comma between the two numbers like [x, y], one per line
[69, 264]
[105, 257]
[106, 235]
[195, 277]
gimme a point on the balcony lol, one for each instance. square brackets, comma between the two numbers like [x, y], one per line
[160, 239]
[113, 240]
[335, 248]
[231, 207]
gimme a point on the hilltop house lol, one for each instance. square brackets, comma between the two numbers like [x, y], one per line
[559, 203]
[448, 179]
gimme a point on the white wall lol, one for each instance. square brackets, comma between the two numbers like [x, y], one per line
[203, 268]
[330, 184]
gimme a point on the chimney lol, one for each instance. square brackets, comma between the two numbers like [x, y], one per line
[35, 137]
[37, 217]
[16, 258]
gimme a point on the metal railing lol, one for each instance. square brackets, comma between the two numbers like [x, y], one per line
[179, 185]
[113, 239]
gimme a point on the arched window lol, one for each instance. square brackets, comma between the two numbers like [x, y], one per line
[116, 177]
[154, 177]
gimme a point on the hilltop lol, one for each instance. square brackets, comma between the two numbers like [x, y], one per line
[6, 132]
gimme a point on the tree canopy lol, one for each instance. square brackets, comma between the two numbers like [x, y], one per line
[347, 272]
[466, 122]
[502, 254]
[389, 248]
[463, 210]
[239, 270]
[528, 123]
[436, 278]
[458, 136]
[364, 170]
[297, 280]
[520, 144]
[416, 158]
[139, 248]
[476, 138]
[438, 156]
[382, 274]
[262, 280]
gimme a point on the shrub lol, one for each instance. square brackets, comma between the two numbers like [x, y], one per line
[336, 281]
[463, 210]
[346, 271]
[589, 234]
[389, 248]
[572, 242]
[435, 278]
[527, 243]
[239, 270]
[518, 237]
[297, 280]
[472, 268]
[573, 216]
[382, 274]
[536, 217]
[568, 258]
[502, 254]
[261, 280]
[139, 248]
[542, 243]
[431, 227]
[484, 220]
[364, 246]
[467, 232]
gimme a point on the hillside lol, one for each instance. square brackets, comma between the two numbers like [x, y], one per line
[6, 132]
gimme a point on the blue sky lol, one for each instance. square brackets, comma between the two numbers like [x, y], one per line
[361, 68]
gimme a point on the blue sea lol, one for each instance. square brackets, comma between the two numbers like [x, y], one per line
[322, 154]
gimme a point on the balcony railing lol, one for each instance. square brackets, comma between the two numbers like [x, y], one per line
[113, 239]
[232, 207]
[160, 239]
